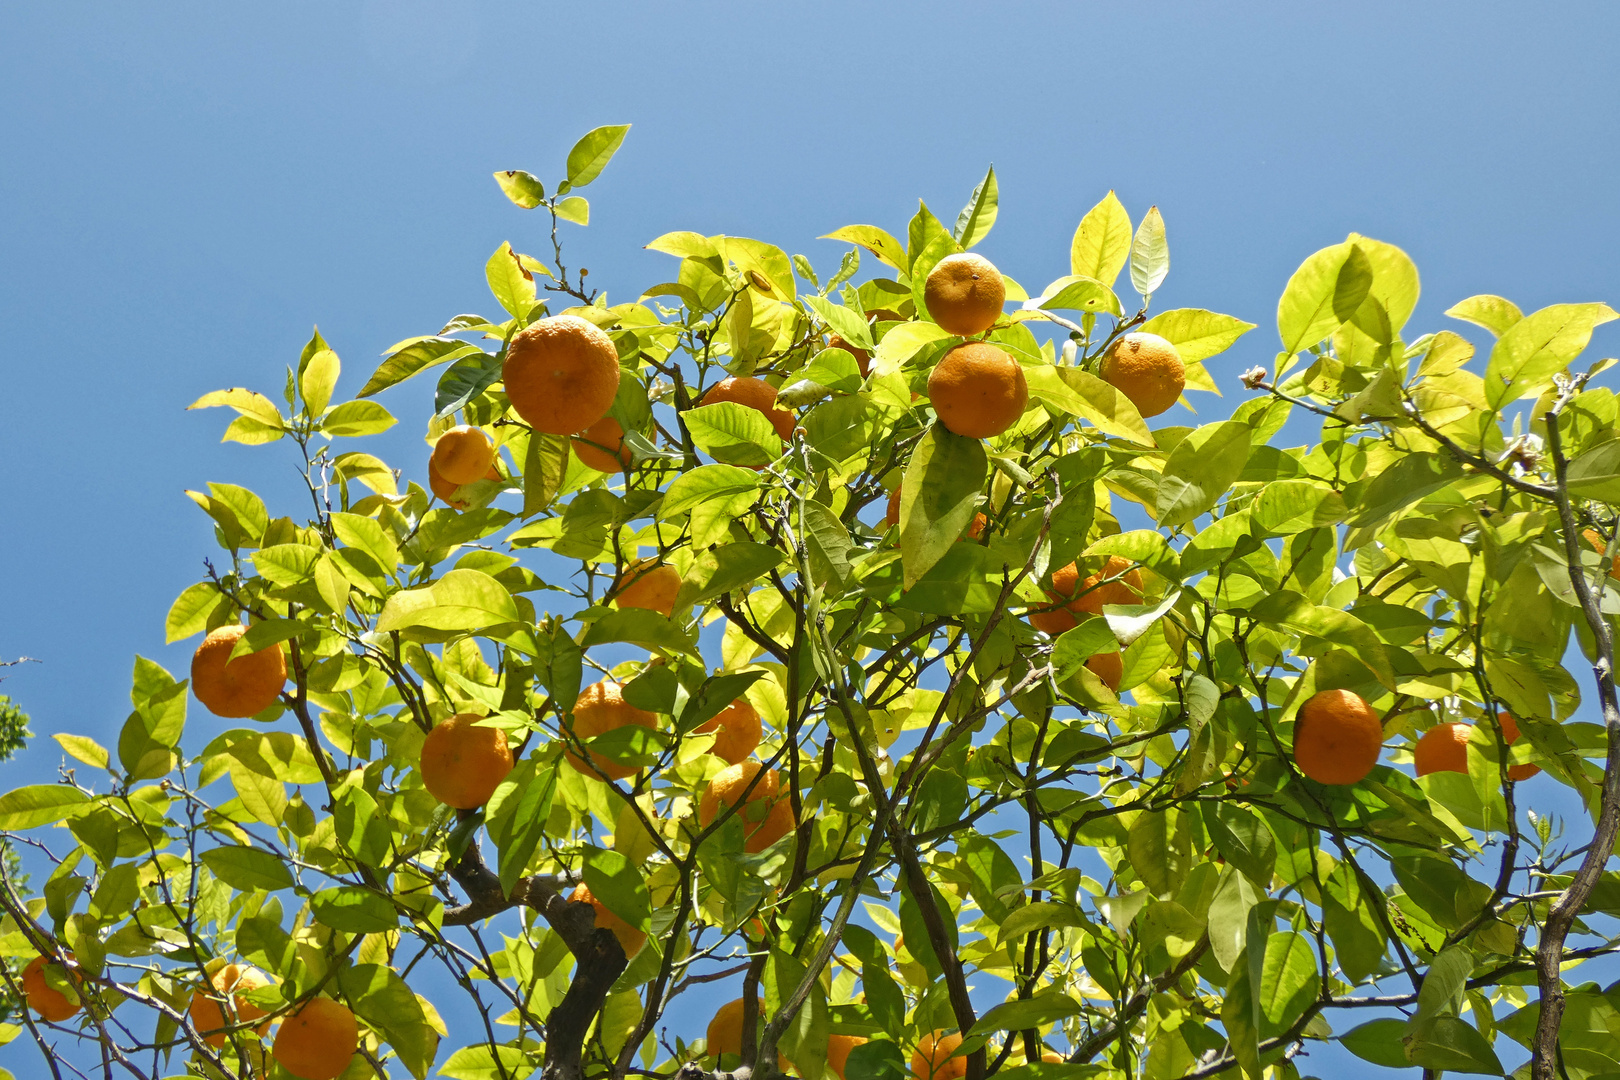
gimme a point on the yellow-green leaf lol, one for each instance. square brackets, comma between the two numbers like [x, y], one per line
[1102, 243]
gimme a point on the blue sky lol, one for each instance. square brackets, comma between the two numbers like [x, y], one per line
[188, 187]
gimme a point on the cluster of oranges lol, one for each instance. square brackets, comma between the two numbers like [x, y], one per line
[935, 1056]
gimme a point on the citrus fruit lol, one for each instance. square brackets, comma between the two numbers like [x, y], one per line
[42, 997]
[724, 1035]
[863, 358]
[601, 446]
[462, 455]
[561, 374]
[1443, 748]
[737, 731]
[463, 763]
[891, 517]
[1054, 620]
[767, 817]
[978, 390]
[209, 1018]
[1337, 737]
[630, 939]
[601, 708]
[236, 688]
[648, 584]
[932, 1059]
[964, 294]
[1599, 545]
[318, 1041]
[1510, 732]
[1109, 667]
[1087, 596]
[838, 1048]
[1147, 369]
[756, 394]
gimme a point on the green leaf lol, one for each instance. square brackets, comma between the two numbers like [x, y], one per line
[615, 881]
[1288, 610]
[637, 626]
[1444, 982]
[316, 379]
[974, 222]
[1353, 284]
[1411, 478]
[284, 564]
[1286, 507]
[1305, 314]
[189, 613]
[461, 600]
[353, 910]
[939, 497]
[262, 635]
[1031, 1012]
[574, 209]
[381, 997]
[353, 418]
[1243, 841]
[248, 869]
[524, 189]
[84, 749]
[1200, 470]
[465, 380]
[592, 153]
[733, 434]
[1076, 293]
[1492, 312]
[928, 242]
[846, 323]
[726, 569]
[412, 356]
[1074, 647]
[250, 431]
[873, 239]
[1197, 334]
[1594, 474]
[1102, 242]
[39, 804]
[708, 483]
[1380, 1042]
[1533, 349]
[1108, 410]
[512, 285]
[367, 535]
[545, 466]
[685, 245]
[1240, 1014]
[476, 1062]
[246, 402]
[1450, 1044]
[1150, 254]
[1289, 981]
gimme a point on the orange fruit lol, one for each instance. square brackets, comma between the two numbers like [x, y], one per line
[863, 358]
[630, 939]
[964, 294]
[443, 488]
[1443, 748]
[236, 688]
[462, 763]
[838, 1048]
[738, 731]
[1087, 597]
[648, 584]
[769, 814]
[1053, 620]
[1510, 732]
[1599, 545]
[755, 394]
[209, 1018]
[1147, 369]
[462, 455]
[1337, 737]
[601, 446]
[318, 1041]
[561, 374]
[601, 708]
[891, 518]
[42, 997]
[724, 1035]
[932, 1059]
[977, 390]
[1109, 667]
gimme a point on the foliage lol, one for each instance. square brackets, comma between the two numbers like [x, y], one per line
[1137, 878]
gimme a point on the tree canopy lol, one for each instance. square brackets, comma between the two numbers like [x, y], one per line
[848, 643]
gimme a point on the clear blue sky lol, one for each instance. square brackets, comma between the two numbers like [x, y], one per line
[188, 186]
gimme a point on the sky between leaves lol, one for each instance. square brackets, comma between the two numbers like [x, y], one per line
[189, 186]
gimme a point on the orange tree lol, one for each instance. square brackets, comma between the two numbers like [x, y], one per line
[860, 643]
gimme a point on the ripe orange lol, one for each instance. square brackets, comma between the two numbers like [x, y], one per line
[1337, 737]
[462, 763]
[838, 1048]
[1054, 620]
[1109, 667]
[932, 1059]
[1147, 369]
[601, 708]
[561, 374]
[601, 446]
[462, 455]
[769, 814]
[1510, 732]
[630, 939]
[1087, 597]
[755, 394]
[724, 1035]
[209, 1018]
[1443, 748]
[1599, 545]
[445, 490]
[863, 358]
[964, 294]
[739, 731]
[318, 1041]
[978, 390]
[236, 688]
[648, 584]
[42, 997]
[891, 518]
